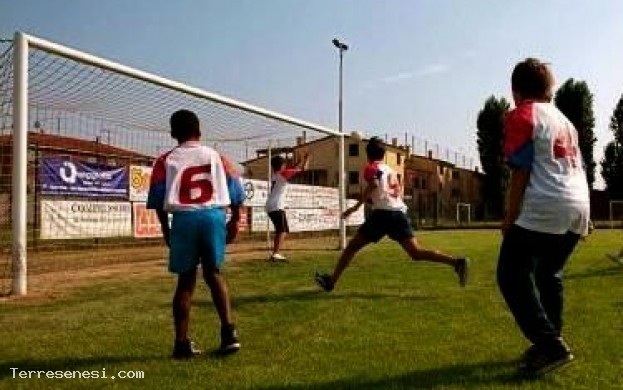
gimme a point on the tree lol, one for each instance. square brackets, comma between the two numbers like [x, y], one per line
[490, 136]
[612, 164]
[575, 100]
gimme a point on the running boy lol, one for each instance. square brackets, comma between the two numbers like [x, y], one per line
[275, 204]
[195, 184]
[388, 217]
[547, 212]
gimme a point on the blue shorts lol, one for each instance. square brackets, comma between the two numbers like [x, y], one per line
[380, 223]
[197, 236]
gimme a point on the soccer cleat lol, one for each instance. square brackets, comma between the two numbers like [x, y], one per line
[462, 270]
[324, 281]
[539, 360]
[275, 257]
[183, 350]
[229, 339]
[615, 257]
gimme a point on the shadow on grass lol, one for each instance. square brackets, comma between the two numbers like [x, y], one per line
[595, 273]
[315, 295]
[95, 363]
[465, 376]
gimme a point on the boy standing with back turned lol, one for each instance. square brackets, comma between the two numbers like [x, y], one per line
[195, 184]
[547, 212]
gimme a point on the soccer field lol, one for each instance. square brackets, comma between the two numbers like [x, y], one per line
[390, 324]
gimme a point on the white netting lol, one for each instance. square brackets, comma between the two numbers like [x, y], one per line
[92, 115]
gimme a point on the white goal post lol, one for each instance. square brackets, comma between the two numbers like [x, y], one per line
[257, 123]
[616, 212]
[467, 210]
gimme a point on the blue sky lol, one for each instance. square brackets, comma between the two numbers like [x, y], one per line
[419, 66]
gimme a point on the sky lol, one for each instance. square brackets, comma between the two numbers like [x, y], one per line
[424, 67]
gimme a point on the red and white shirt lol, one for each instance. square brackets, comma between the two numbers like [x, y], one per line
[538, 138]
[386, 196]
[191, 176]
[279, 183]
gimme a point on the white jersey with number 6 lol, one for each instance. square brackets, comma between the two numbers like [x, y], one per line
[193, 177]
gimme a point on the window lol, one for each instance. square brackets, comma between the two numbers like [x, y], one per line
[423, 183]
[398, 159]
[353, 177]
[353, 150]
[455, 175]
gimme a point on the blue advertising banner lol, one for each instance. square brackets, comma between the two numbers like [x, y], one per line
[62, 176]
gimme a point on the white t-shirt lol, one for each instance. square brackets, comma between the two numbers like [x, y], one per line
[277, 197]
[387, 195]
[191, 176]
[541, 140]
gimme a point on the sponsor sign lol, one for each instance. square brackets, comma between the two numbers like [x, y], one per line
[146, 224]
[62, 176]
[84, 219]
[139, 183]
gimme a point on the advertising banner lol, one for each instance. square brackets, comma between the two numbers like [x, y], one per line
[62, 176]
[139, 183]
[146, 224]
[85, 219]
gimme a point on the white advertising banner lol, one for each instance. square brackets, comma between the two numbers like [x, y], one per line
[308, 208]
[139, 183]
[69, 219]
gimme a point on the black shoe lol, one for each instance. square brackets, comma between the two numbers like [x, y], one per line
[462, 270]
[183, 350]
[542, 359]
[324, 281]
[229, 339]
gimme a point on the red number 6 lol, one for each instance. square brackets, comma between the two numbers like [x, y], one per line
[203, 185]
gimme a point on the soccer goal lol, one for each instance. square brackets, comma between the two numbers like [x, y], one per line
[616, 213]
[463, 213]
[78, 135]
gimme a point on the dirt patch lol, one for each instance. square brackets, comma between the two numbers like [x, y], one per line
[54, 275]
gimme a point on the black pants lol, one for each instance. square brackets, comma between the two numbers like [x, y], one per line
[530, 278]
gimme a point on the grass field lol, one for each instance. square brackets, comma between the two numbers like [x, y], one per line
[390, 324]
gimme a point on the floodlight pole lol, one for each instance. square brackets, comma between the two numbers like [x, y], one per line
[20, 164]
[342, 47]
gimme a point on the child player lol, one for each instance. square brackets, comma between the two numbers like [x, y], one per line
[547, 212]
[388, 217]
[195, 184]
[275, 204]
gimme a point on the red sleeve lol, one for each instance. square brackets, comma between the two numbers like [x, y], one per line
[518, 129]
[158, 173]
[371, 172]
[288, 173]
[230, 169]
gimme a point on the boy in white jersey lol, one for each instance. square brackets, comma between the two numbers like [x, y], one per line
[275, 204]
[547, 213]
[388, 217]
[195, 184]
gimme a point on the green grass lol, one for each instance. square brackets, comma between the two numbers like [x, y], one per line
[390, 324]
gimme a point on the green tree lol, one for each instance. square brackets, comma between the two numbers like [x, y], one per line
[612, 164]
[490, 135]
[575, 100]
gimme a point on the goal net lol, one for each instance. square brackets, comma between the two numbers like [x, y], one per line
[616, 213]
[78, 136]
[463, 213]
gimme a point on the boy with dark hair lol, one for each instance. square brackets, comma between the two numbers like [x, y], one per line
[275, 204]
[388, 217]
[195, 184]
[547, 212]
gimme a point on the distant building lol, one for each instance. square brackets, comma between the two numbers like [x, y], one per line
[434, 188]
